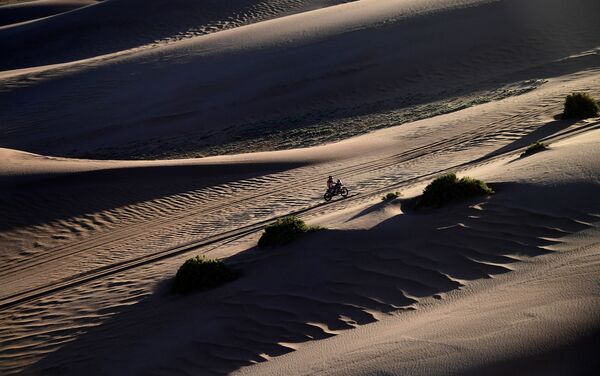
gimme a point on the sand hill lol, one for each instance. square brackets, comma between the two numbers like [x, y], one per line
[103, 106]
[330, 73]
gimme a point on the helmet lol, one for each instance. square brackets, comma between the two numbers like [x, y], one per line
[330, 177]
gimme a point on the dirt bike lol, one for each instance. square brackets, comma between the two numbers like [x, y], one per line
[337, 189]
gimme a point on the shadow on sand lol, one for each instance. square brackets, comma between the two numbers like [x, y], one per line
[545, 130]
[327, 282]
[48, 199]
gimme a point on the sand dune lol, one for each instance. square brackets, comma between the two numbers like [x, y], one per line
[31, 10]
[542, 318]
[332, 68]
[77, 200]
[342, 278]
[116, 25]
[384, 94]
[101, 205]
[92, 214]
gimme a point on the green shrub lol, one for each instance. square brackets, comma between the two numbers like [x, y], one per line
[200, 273]
[283, 231]
[534, 148]
[580, 106]
[448, 188]
[390, 196]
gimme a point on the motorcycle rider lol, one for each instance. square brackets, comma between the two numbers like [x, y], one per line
[329, 182]
[334, 189]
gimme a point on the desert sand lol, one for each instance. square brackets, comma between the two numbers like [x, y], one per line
[14, 13]
[102, 199]
[328, 71]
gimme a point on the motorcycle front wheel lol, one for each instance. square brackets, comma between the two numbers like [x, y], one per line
[344, 192]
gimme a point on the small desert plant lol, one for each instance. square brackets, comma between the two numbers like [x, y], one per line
[283, 231]
[200, 273]
[390, 196]
[580, 106]
[534, 148]
[448, 188]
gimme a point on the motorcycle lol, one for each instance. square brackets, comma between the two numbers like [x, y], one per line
[337, 189]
